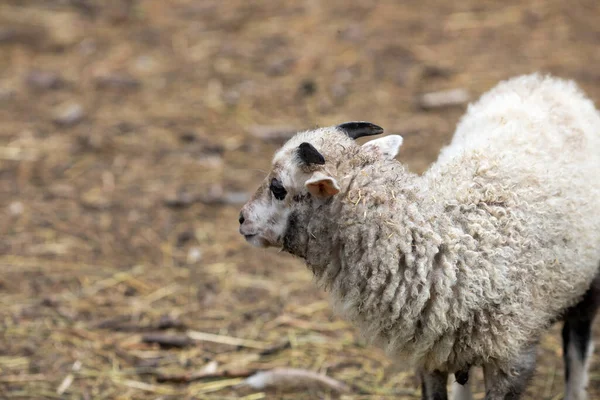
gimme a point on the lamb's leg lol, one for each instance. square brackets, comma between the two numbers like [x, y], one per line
[433, 385]
[510, 384]
[461, 388]
[461, 392]
[577, 342]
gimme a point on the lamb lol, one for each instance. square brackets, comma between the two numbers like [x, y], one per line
[469, 263]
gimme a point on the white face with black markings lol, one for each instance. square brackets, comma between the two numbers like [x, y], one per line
[303, 175]
[263, 219]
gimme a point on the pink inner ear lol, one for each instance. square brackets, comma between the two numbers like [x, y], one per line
[322, 188]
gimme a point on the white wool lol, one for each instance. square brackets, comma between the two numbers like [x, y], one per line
[470, 262]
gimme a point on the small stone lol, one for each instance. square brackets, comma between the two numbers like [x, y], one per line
[194, 255]
[443, 99]
[43, 80]
[16, 208]
[68, 114]
[117, 81]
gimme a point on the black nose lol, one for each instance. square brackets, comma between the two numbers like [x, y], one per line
[241, 219]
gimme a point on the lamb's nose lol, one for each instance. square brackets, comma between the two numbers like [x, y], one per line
[241, 219]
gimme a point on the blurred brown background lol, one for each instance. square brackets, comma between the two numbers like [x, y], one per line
[132, 131]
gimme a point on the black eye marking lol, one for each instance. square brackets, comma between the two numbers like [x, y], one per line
[277, 189]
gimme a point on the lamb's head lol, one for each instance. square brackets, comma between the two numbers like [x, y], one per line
[304, 175]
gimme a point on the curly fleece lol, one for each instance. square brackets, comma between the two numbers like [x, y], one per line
[470, 262]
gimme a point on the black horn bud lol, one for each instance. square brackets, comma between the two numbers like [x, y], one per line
[309, 155]
[358, 129]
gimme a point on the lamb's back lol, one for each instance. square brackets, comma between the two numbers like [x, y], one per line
[530, 118]
[519, 184]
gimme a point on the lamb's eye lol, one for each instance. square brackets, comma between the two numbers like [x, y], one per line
[277, 189]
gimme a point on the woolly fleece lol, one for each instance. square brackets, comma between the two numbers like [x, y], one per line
[470, 262]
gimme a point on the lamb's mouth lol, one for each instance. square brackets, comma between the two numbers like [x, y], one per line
[256, 240]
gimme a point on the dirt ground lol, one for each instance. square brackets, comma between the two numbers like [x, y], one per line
[131, 132]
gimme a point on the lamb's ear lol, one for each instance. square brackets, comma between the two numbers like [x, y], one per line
[386, 146]
[322, 186]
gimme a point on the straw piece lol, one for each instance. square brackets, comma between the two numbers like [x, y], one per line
[291, 378]
[209, 387]
[147, 387]
[23, 378]
[65, 384]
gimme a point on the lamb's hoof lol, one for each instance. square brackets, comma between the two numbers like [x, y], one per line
[462, 376]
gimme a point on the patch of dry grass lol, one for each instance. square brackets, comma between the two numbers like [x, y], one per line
[131, 131]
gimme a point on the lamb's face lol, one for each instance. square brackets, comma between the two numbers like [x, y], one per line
[303, 175]
[299, 173]
[263, 220]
